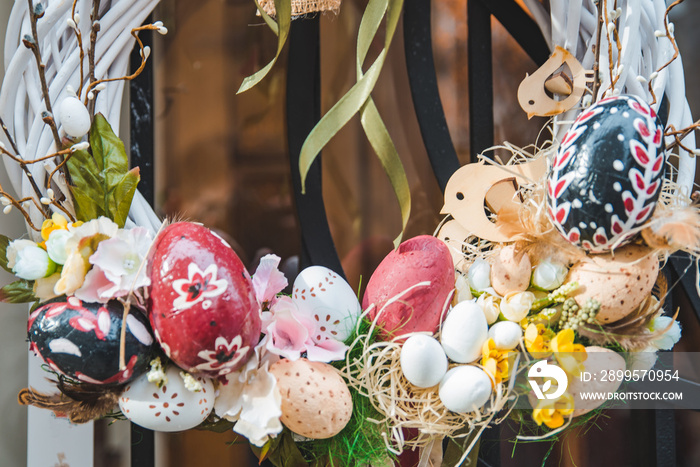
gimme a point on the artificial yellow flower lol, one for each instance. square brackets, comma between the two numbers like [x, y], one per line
[537, 340]
[57, 222]
[569, 355]
[494, 361]
[551, 412]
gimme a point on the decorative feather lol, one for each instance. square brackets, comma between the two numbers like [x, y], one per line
[674, 228]
[81, 403]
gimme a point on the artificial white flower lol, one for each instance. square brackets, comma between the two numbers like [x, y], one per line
[490, 305]
[44, 287]
[548, 275]
[32, 262]
[462, 291]
[72, 274]
[250, 398]
[668, 339]
[157, 373]
[117, 266]
[56, 246]
[479, 275]
[14, 247]
[643, 360]
[191, 383]
[516, 305]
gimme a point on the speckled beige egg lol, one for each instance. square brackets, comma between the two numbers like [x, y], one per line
[316, 402]
[618, 282]
[510, 271]
[599, 363]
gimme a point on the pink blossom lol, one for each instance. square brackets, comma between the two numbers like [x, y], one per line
[288, 336]
[117, 266]
[268, 281]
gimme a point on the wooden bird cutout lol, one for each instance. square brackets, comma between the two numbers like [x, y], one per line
[531, 92]
[472, 185]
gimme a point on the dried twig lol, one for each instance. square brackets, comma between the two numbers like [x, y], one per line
[596, 65]
[95, 28]
[144, 57]
[676, 52]
[79, 36]
[32, 43]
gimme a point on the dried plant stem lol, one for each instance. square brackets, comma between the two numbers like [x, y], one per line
[134, 32]
[673, 43]
[95, 28]
[34, 47]
[596, 64]
[679, 136]
[79, 37]
[20, 208]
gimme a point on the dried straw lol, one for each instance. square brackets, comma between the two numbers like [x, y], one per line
[303, 7]
[375, 372]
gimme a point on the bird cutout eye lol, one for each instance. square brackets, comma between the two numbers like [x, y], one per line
[474, 182]
[560, 75]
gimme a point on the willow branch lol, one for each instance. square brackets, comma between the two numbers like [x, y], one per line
[95, 28]
[673, 43]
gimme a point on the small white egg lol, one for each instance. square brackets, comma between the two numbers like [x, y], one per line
[464, 332]
[172, 407]
[423, 361]
[465, 389]
[74, 117]
[325, 297]
[506, 334]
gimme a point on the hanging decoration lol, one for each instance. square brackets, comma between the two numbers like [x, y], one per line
[548, 268]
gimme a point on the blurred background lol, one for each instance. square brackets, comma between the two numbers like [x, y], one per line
[221, 159]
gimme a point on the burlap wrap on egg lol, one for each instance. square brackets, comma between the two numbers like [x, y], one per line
[303, 7]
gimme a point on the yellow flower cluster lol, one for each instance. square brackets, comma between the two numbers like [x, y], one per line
[551, 412]
[569, 355]
[537, 340]
[494, 361]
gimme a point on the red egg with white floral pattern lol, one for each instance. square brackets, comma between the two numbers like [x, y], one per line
[606, 177]
[202, 303]
[82, 340]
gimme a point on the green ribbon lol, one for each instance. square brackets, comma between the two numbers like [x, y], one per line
[283, 9]
[358, 100]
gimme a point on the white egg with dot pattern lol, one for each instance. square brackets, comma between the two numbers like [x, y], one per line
[171, 407]
[328, 300]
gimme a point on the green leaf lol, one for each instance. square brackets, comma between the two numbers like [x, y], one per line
[103, 185]
[122, 195]
[21, 291]
[283, 9]
[281, 451]
[358, 100]
[4, 242]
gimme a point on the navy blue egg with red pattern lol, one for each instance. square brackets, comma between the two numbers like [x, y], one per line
[606, 177]
[81, 340]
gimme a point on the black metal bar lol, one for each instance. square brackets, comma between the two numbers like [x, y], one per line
[683, 271]
[424, 90]
[519, 25]
[303, 112]
[480, 71]
[480, 76]
[665, 425]
[141, 131]
[141, 111]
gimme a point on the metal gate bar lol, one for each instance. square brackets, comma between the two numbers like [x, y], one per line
[141, 151]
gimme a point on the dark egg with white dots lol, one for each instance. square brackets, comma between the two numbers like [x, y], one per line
[606, 177]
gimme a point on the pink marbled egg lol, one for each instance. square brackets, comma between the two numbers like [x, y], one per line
[416, 260]
[203, 307]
